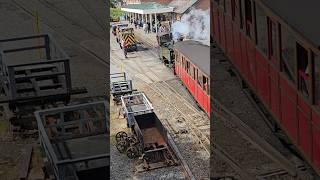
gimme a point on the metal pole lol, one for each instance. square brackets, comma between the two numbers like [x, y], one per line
[150, 20]
[37, 29]
[155, 22]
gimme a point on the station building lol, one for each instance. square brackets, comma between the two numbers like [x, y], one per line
[158, 11]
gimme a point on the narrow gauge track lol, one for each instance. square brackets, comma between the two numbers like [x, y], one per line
[187, 116]
[180, 124]
[257, 159]
[195, 120]
[246, 151]
[91, 13]
[153, 93]
[73, 41]
[74, 22]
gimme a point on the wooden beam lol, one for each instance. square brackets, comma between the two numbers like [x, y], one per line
[25, 164]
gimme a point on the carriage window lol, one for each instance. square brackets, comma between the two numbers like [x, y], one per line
[183, 61]
[227, 7]
[188, 67]
[199, 78]
[288, 46]
[233, 9]
[261, 20]
[316, 60]
[273, 40]
[205, 84]
[304, 70]
[248, 17]
[193, 73]
[240, 13]
[177, 59]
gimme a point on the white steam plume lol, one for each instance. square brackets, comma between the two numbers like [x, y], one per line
[195, 25]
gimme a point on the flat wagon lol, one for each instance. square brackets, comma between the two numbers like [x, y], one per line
[120, 86]
[75, 141]
[34, 73]
[150, 137]
[33, 68]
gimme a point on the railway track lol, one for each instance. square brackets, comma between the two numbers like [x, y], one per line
[197, 122]
[183, 118]
[55, 28]
[242, 139]
[179, 126]
[271, 164]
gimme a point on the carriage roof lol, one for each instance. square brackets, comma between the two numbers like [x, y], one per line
[196, 52]
[299, 15]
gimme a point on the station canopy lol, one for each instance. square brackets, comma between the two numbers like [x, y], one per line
[147, 8]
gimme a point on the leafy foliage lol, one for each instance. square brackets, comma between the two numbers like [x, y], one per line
[116, 13]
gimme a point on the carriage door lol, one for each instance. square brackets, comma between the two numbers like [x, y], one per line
[304, 70]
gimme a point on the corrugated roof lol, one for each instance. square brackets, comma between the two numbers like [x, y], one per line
[146, 6]
[196, 52]
[301, 15]
[180, 6]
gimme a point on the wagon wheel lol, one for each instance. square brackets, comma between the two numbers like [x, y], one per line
[122, 146]
[169, 158]
[132, 140]
[132, 152]
[121, 136]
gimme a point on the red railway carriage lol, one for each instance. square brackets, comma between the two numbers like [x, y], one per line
[192, 65]
[275, 46]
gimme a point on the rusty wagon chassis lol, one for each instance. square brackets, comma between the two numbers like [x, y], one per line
[149, 140]
[65, 134]
[34, 74]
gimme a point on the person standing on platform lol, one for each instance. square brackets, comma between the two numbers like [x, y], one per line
[148, 30]
[125, 48]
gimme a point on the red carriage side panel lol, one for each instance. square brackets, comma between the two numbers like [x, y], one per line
[193, 87]
[275, 93]
[244, 59]
[200, 96]
[316, 140]
[184, 79]
[176, 67]
[252, 64]
[215, 23]
[187, 80]
[229, 37]
[304, 114]
[288, 109]
[237, 46]
[263, 82]
[222, 32]
[208, 109]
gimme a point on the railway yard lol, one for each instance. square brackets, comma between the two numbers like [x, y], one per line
[245, 147]
[85, 46]
[59, 60]
[185, 122]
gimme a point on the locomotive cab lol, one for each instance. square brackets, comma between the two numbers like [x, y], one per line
[166, 53]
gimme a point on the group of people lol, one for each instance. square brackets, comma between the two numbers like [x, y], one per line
[146, 26]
